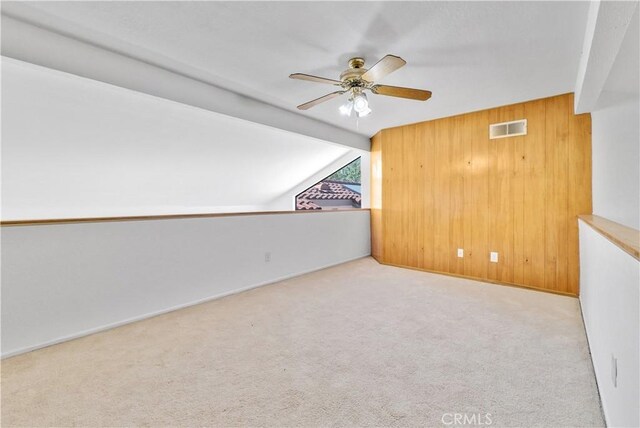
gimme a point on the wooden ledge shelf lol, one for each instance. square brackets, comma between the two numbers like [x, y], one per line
[627, 238]
[38, 222]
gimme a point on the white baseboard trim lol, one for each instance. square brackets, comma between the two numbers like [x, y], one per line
[170, 309]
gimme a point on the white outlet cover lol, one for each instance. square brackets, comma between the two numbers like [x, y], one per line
[460, 252]
[493, 257]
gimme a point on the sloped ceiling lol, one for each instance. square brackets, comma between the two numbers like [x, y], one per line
[472, 55]
[74, 147]
[623, 82]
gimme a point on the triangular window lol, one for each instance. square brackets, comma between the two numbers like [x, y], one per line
[340, 190]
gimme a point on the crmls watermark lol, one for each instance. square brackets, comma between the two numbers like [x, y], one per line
[477, 419]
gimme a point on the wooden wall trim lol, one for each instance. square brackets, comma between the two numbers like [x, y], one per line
[40, 222]
[627, 238]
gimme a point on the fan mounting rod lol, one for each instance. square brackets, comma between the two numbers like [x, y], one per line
[356, 62]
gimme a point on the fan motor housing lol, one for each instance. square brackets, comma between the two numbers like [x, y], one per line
[353, 74]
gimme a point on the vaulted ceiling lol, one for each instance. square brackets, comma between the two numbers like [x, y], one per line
[472, 55]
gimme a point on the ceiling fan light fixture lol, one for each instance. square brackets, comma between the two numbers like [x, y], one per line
[364, 113]
[360, 104]
[346, 108]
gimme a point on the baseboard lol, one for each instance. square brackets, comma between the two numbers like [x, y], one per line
[170, 309]
[484, 280]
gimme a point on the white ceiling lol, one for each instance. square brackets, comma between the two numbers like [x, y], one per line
[74, 147]
[623, 80]
[472, 55]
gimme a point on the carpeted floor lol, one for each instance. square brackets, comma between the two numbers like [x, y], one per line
[355, 345]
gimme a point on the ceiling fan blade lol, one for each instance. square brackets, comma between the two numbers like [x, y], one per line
[317, 79]
[386, 65]
[307, 106]
[397, 91]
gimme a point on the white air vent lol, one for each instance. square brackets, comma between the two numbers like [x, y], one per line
[508, 129]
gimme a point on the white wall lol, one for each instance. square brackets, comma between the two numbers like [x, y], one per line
[609, 277]
[66, 280]
[616, 162]
[609, 295]
[616, 135]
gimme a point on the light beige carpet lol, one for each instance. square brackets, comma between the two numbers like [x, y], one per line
[354, 345]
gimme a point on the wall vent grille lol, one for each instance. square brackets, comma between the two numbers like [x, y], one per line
[508, 129]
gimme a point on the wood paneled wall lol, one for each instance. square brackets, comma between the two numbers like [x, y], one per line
[443, 185]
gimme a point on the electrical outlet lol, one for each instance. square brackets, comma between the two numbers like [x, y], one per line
[267, 257]
[460, 252]
[614, 371]
[493, 257]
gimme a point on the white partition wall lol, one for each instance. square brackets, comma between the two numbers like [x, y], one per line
[66, 280]
[609, 293]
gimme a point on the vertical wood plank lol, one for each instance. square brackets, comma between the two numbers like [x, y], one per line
[480, 195]
[426, 137]
[442, 192]
[456, 194]
[565, 106]
[534, 194]
[385, 193]
[467, 136]
[556, 226]
[413, 201]
[551, 211]
[390, 204]
[518, 162]
[376, 197]
[501, 200]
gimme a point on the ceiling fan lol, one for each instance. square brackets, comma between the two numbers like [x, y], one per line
[357, 79]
